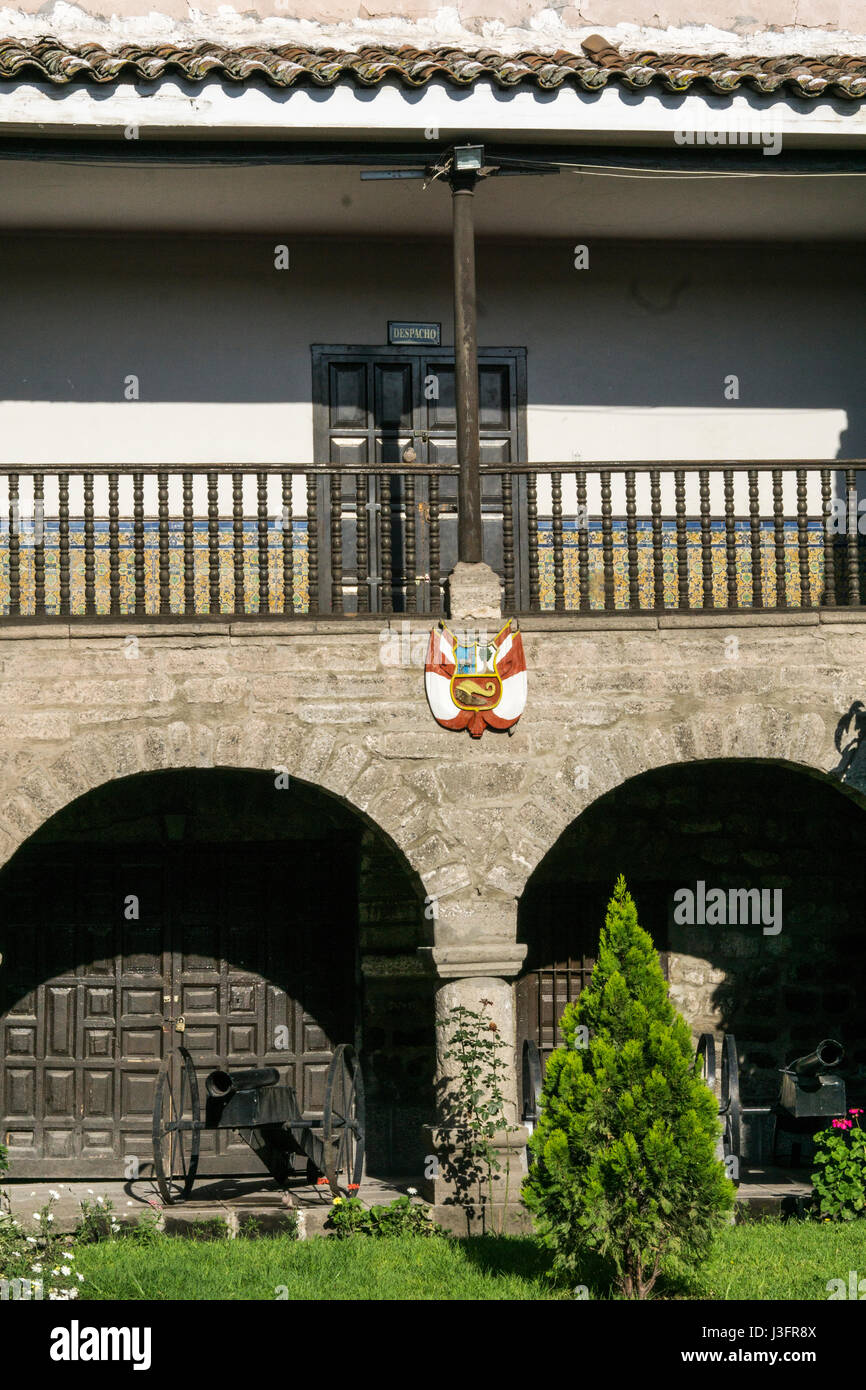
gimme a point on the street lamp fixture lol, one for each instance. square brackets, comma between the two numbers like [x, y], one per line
[468, 159]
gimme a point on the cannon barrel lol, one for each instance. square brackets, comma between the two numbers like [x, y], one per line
[222, 1084]
[827, 1054]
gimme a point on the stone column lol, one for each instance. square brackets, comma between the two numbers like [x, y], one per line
[478, 978]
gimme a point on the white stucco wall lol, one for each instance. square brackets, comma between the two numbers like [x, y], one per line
[626, 360]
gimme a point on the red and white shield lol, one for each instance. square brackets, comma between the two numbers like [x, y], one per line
[485, 690]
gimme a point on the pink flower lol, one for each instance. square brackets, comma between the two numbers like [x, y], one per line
[855, 1112]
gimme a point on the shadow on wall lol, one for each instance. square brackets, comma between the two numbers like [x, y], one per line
[779, 987]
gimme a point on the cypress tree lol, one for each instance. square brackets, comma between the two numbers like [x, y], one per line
[624, 1153]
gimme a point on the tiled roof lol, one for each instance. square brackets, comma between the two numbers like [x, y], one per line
[597, 66]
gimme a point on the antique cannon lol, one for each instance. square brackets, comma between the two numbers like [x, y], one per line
[267, 1116]
[809, 1090]
[809, 1093]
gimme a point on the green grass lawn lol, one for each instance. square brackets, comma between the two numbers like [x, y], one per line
[772, 1259]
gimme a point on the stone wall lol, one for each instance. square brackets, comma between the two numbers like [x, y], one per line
[610, 698]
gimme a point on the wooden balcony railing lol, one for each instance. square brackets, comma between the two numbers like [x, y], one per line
[296, 539]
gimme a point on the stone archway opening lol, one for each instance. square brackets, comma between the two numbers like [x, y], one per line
[268, 913]
[780, 986]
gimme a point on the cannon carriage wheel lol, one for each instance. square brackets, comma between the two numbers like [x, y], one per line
[344, 1123]
[532, 1080]
[729, 1109]
[729, 1101]
[176, 1130]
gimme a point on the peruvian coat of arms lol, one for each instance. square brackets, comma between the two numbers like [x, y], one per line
[476, 683]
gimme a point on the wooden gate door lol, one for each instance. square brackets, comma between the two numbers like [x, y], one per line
[371, 404]
[560, 961]
[106, 947]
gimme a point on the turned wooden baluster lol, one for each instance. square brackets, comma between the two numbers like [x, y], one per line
[508, 542]
[387, 601]
[288, 546]
[683, 600]
[14, 546]
[532, 527]
[631, 541]
[435, 556]
[779, 539]
[707, 598]
[362, 543]
[658, 539]
[262, 531]
[411, 585]
[63, 538]
[138, 540]
[113, 546]
[188, 547]
[336, 544]
[730, 541]
[607, 538]
[213, 544]
[238, 541]
[313, 541]
[39, 542]
[803, 539]
[829, 541]
[852, 548]
[755, 538]
[582, 544]
[558, 562]
[89, 547]
[164, 576]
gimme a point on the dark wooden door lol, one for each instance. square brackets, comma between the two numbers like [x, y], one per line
[371, 404]
[106, 948]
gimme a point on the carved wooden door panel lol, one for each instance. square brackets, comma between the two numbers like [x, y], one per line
[106, 947]
[371, 405]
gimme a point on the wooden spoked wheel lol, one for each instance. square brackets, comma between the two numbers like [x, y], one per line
[176, 1128]
[532, 1080]
[730, 1104]
[343, 1124]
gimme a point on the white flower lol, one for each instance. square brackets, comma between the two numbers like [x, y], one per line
[412, 1191]
[50, 1216]
[36, 1269]
[100, 1201]
[55, 1271]
[16, 1254]
[90, 1190]
[31, 1240]
[80, 1278]
[55, 1195]
[36, 1216]
[64, 1269]
[69, 1254]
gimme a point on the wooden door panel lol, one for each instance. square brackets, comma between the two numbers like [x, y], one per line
[408, 396]
[232, 937]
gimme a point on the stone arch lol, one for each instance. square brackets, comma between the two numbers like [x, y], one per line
[321, 757]
[769, 824]
[314, 901]
[595, 762]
